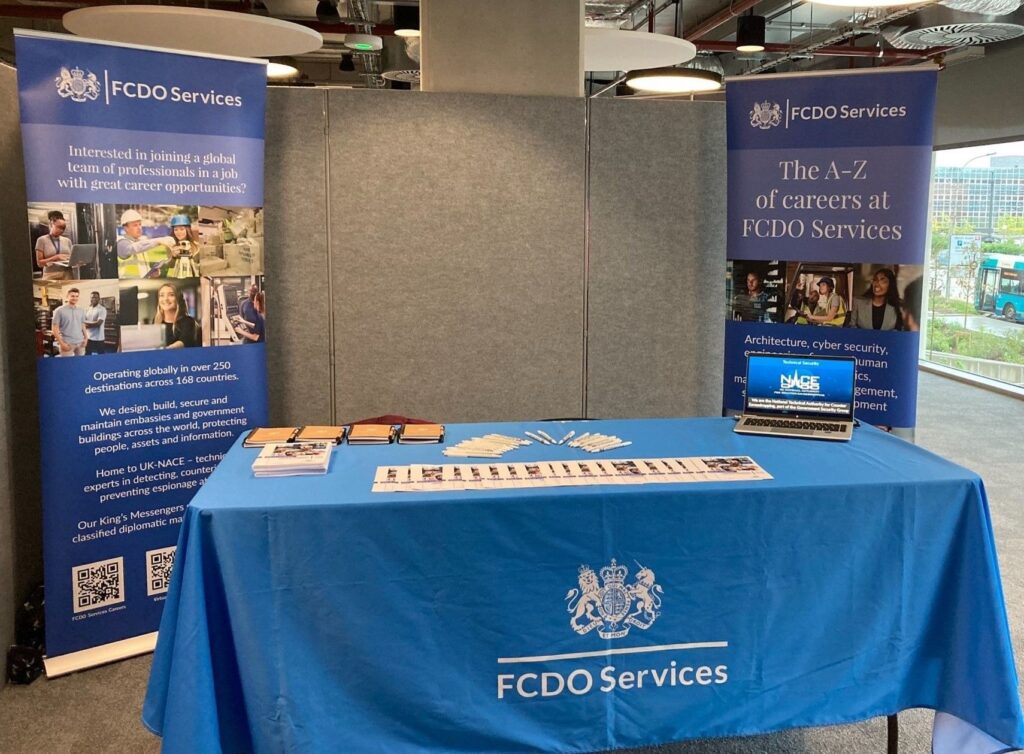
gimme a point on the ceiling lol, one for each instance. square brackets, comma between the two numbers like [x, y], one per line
[800, 35]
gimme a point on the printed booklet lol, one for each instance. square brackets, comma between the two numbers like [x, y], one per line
[290, 459]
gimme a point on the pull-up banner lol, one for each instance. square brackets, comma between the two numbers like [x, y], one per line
[144, 172]
[827, 224]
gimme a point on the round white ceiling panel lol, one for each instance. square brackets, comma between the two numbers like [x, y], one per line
[618, 50]
[217, 32]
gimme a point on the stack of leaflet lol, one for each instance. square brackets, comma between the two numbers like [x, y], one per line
[293, 458]
[421, 433]
[371, 434]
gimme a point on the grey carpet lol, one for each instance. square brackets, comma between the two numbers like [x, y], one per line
[98, 710]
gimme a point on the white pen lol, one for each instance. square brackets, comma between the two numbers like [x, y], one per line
[551, 440]
[576, 443]
[534, 437]
[567, 437]
[597, 440]
[613, 447]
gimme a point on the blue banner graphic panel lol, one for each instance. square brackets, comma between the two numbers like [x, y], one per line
[83, 83]
[130, 167]
[885, 393]
[145, 184]
[827, 227]
[129, 440]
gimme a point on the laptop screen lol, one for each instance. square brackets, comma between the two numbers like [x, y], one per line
[816, 386]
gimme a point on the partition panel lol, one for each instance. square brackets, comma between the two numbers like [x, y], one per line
[297, 279]
[20, 503]
[657, 258]
[457, 241]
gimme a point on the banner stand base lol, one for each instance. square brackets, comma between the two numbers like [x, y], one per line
[95, 656]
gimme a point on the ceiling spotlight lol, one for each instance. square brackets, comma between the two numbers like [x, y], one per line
[364, 42]
[327, 12]
[407, 32]
[674, 81]
[346, 64]
[279, 69]
[750, 33]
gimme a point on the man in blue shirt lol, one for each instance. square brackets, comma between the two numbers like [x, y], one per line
[69, 326]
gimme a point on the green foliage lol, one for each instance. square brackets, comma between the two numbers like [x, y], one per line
[947, 336]
[943, 305]
[1011, 226]
[1002, 247]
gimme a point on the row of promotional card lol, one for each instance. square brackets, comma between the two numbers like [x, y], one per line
[496, 476]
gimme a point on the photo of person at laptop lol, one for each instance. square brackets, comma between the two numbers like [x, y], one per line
[180, 330]
[54, 250]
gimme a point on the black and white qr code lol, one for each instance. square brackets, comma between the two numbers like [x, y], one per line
[159, 564]
[99, 584]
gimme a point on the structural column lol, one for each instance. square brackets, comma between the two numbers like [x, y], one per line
[510, 47]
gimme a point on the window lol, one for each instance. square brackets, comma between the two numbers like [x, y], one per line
[974, 321]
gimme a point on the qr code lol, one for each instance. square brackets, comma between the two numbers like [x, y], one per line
[159, 564]
[95, 585]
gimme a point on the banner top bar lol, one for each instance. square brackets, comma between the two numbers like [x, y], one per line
[924, 68]
[126, 45]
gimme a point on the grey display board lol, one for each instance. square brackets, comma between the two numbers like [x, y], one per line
[297, 228]
[21, 565]
[657, 258]
[457, 244]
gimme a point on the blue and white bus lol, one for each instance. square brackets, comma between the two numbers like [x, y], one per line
[999, 287]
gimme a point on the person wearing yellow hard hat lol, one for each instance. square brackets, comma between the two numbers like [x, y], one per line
[132, 248]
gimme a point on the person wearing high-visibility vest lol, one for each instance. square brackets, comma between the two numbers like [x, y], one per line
[132, 247]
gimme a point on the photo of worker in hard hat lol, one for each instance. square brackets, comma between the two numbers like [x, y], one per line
[139, 256]
[185, 251]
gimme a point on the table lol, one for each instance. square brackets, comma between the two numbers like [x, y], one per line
[307, 614]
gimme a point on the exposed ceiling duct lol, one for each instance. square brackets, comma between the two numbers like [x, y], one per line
[938, 26]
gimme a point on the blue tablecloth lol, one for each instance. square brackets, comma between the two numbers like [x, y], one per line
[307, 614]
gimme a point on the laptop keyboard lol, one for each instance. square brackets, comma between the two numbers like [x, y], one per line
[790, 424]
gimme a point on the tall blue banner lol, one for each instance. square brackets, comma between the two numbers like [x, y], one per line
[145, 191]
[827, 223]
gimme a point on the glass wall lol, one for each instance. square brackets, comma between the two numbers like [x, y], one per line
[974, 320]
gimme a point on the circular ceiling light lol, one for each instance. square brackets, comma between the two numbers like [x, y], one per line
[363, 42]
[618, 50]
[750, 33]
[674, 81]
[407, 32]
[216, 32]
[280, 69]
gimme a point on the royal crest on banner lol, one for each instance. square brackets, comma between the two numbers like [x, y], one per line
[613, 606]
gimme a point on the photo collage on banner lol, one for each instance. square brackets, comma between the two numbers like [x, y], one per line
[144, 172]
[827, 223]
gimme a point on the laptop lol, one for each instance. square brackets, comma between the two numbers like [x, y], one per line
[81, 255]
[799, 396]
[142, 337]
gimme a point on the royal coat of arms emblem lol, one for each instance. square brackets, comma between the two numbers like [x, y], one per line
[77, 85]
[613, 606]
[765, 115]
